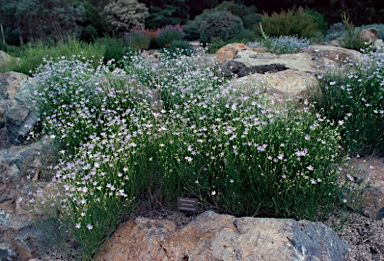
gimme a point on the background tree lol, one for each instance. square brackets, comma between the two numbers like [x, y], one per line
[169, 12]
[122, 15]
[29, 20]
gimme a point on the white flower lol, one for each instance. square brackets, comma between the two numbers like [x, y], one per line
[213, 193]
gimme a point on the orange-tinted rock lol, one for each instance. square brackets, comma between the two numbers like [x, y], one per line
[223, 237]
[230, 50]
[369, 35]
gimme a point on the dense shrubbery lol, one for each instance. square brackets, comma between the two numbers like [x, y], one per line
[248, 15]
[291, 22]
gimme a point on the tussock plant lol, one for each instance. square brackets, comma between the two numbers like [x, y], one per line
[153, 131]
[354, 97]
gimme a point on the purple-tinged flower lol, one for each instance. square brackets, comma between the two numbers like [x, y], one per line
[89, 226]
[310, 167]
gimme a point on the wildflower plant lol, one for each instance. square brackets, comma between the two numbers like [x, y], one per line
[153, 131]
[354, 96]
[282, 44]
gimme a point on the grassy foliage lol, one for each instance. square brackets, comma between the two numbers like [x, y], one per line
[352, 39]
[355, 98]
[31, 55]
[291, 22]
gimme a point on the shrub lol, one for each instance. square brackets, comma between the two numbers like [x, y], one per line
[221, 24]
[352, 39]
[215, 44]
[319, 19]
[354, 97]
[114, 50]
[291, 22]
[248, 15]
[244, 35]
[137, 39]
[166, 35]
[335, 31]
[181, 48]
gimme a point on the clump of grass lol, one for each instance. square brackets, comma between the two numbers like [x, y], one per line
[352, 39]
[32, 54]
[153, 131]
[354, 97]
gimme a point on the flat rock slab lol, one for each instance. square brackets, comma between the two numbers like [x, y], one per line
[315, 59]
[222, 237]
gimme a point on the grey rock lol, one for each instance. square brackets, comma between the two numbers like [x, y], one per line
[380, 214]
[19, 119]
[10, 83]
[20, 240]
[315, 59]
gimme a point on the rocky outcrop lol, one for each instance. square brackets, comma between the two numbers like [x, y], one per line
[222, 237]
[14, 114]
[20, 240]
[10, 83]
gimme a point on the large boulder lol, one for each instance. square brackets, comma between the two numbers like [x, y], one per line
[4, 58]
[229, 51]
[10, 83]
[369, 35]
[222, 237]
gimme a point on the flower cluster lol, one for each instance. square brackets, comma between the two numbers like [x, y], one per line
[177, 127]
